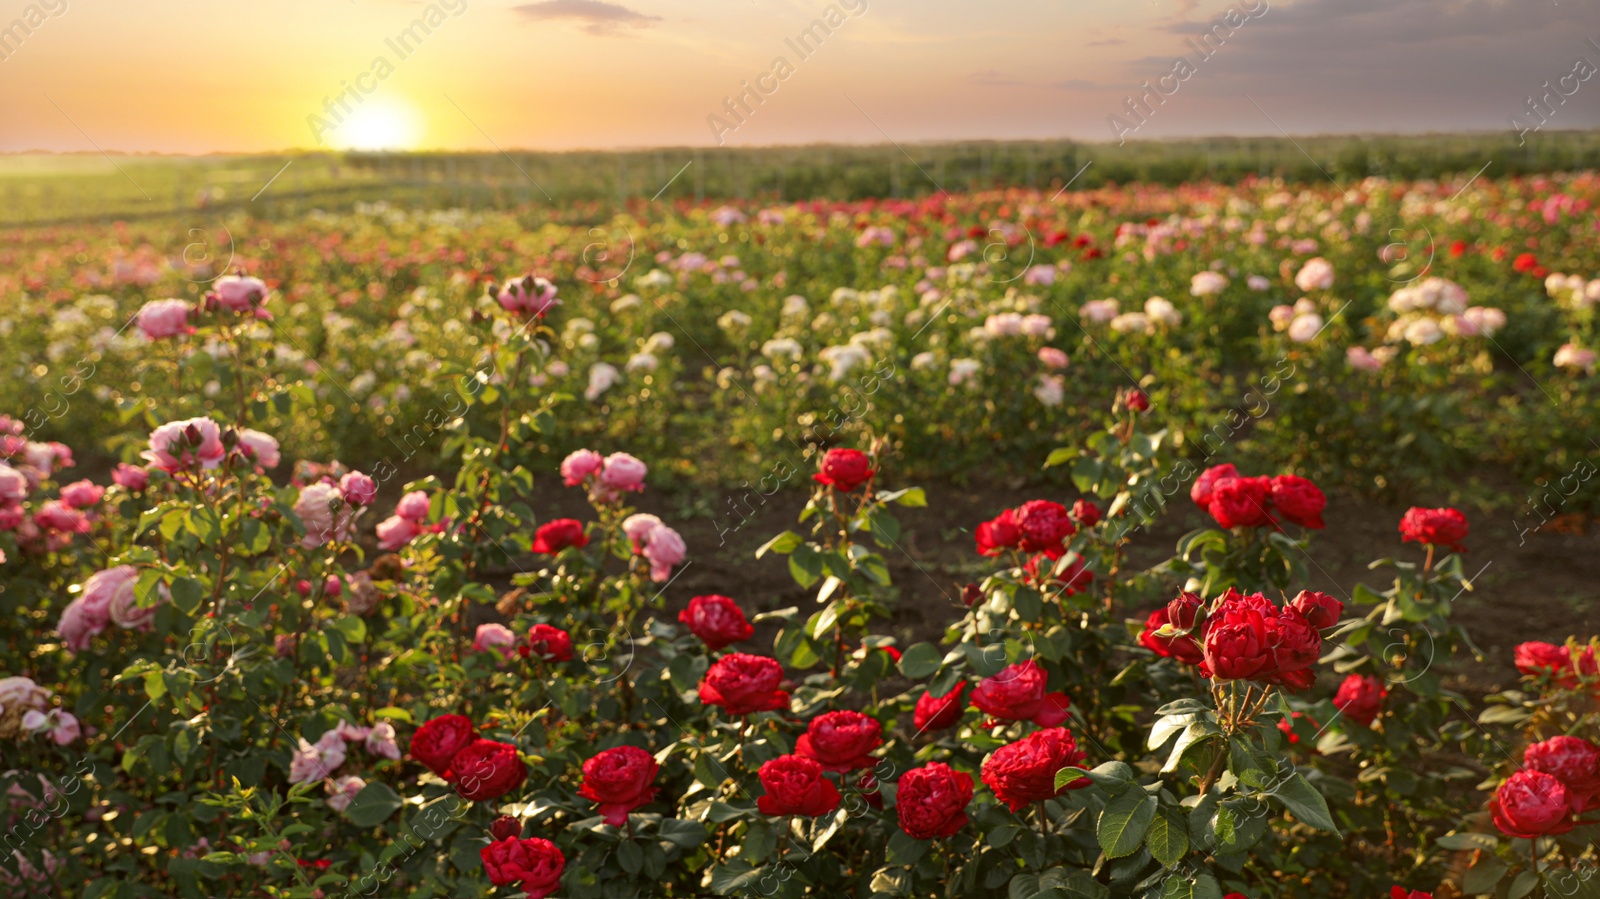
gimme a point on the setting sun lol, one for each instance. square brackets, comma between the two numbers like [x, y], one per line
[378, 124]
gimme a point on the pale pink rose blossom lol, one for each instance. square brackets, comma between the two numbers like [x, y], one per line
[663, 548]
[358, 489]
[56, 515]
[622, 473]
[164, 318]
[638, 526]
[342, 792]
[1053, 358]
[381, 741]
[13, 485]
[413, 506]
[178, 445]
[315, 761]
[528, 296]
[1316, 274]
[260, 448]
[1258, 282]
[496, 638]
[128, 615]
[90, 613]
[1573, 356]
[82, 494]
[579, 465]
[395, 532]
[62, 725]
[22, 693]
[323, 512]
[130, 477]
[239, 293]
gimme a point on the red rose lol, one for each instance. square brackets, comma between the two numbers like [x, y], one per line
[841, 741]
[938, 712]
[999, 534]
[1400, 892]
[505, 827]
[1438, 527]
[743, 683]
[844, 469]
[1086, 513]
[716, 620]
[1320, 609]
[1298, 500]
[535, 864]
[550, 643]
[1138, 400]
[1532, 804]
[1539, 658]
[1525, 262]
[619, 780]
[931, 801]
[795, 785]
[1360, 698]
[1241, 502]
[1572, 760]
[1238, 644]
[437, 741]
[1018, 694]
[1044, 525]
[1186, 610]
[487, 769]
[1067, 579]
[554, 536]
[971, 594]
[1182, 647]
[1295, 643]
[1200, 492]
[1025, 771]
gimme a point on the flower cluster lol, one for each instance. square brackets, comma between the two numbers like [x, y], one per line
[1245, 636]
[1236, 501]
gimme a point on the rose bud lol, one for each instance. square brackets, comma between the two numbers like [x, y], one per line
[841, 741]
[1320, 609]
[795, 785]
[931, 801]
[1532, 804]
[971, 594]
[1183, 647]
[505, 827]
[1138, 400]
[1025, 771]
[1086, 513]
[1185, 611]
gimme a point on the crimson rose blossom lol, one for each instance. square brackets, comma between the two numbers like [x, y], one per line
[437, 741]
[1200, 492]
[844, 469]
[795, 785]
[487, 769]
[550, 643]
[1572, 760]
[1400, 892]
[1241, 502]
[1532, 804]
[1437, 527]
[743, 683]
[1044, 525]
[619, 780]
[716, 620]
[535, 864]
[1238, 645]
[1298, 500]
[841, 741]
[1360, 698]
[1018, 694]
[1025, 771]
[931, 801]
[1538, 658]
[1086, 513]
[1320, 609]
[938, 712]
[554, 536]
[999, 534]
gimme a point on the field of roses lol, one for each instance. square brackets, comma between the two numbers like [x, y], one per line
[287, 610]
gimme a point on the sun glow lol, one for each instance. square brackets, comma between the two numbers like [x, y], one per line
[379, 124]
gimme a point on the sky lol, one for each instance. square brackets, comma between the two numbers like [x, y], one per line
[199, 76]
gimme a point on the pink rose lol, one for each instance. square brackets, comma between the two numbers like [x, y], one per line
[322, 510]
[89, 614]
[381, 741]
[664, 549]
[56, 515]
[530, 296]
[13, 485]
[638, 526]
[342, 791]
[315, 761]
[164, 318]
[259, 447]
[622, 473]
[130, 477]
[178, 445]
[1053, 358]
[578, 466]
[126, 612]
[495, 638]
[395, 532]
[358, 489]
[413, 506]
[239, 294]
[82, 494]
[1316, 274]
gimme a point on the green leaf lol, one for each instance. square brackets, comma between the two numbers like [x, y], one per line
[373, 805]
[1201, 886]
[1305, 803]
[911, 498]
[1124, 821]
[805, 566]
[1467, 841]
[630, 856]
[904, 849]
[1168, 837]
[783, 544]
[920, 660]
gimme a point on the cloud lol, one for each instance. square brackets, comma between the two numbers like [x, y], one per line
[1107, 42]
[596, 16]
[992, 78]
